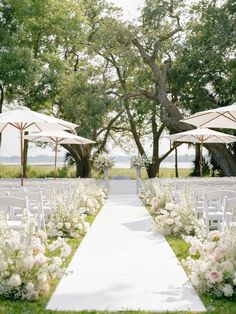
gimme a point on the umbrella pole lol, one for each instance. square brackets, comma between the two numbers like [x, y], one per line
[55, 162]
[200, 160]
[21, 156]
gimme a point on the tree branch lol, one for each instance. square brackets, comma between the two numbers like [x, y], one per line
[102, 146]
[169, 151]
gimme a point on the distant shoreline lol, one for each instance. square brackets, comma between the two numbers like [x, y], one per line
[124, 165]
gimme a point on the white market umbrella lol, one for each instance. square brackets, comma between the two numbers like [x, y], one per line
[223, 117]
[58, 137]
[201, 136]
[24, 119]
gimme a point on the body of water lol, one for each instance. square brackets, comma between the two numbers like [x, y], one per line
[185, 165]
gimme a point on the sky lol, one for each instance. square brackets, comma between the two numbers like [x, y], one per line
[10, 141]
[130, 7]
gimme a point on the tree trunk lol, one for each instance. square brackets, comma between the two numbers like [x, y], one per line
[83, 168]
[153, 169]
[224, 158]
[195, 172]
[82, 160]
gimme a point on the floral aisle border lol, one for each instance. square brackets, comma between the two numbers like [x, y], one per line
[30, 259]
[211, 261]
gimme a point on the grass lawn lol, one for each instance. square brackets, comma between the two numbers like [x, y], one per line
[164, 172]
[44, 171]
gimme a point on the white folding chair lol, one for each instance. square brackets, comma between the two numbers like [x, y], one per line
[48, 196]
[229, 213]
[213, 207]
[35, 203]
[198, 198]
[14, 209]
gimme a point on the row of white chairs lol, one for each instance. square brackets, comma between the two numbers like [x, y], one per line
[213, 199]
[37, 198]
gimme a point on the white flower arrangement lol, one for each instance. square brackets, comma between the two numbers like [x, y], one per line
[179, 219]
[68, 220]
[139, 161]
[212, 263]
[26, 272]
[147, 192]
[154, 195]
[171, 219]
[103, 161]
[162, 197]
[175, 219]
[89, 198]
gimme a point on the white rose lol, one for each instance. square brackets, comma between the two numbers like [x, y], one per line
[169, 221]
[40, 259]
[3, 266]
[173, 214]
[75, 220]
[45, 288]
[42, 277]
[28, 262]
[227, 266]
[228, 290]
[59, 225]
[214, 235]
[30, 286]
[15, 280]
[67, 225]
[203, 267]
[179, 224]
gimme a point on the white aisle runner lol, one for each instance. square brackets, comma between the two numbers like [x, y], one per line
[124, 264]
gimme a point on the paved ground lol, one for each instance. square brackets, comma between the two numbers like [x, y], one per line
[124, 264]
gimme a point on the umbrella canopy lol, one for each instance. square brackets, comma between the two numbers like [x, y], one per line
[28, 120]
[58, 137]
[223, 117]
[25, 119]
[201, 136]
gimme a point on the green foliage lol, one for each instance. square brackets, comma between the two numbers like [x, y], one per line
[205, 63]
[77, 59]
